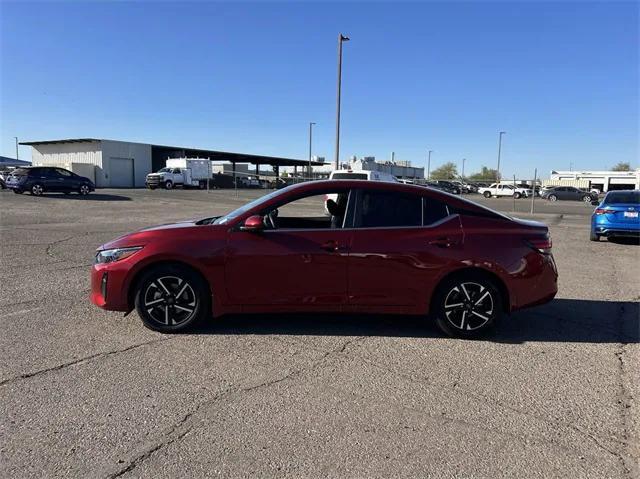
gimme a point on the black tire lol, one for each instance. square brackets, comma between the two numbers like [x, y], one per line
[151, 187]
[67, 192]
[553, 198]
[37, 189]
[593, 236]
[476, 315]
[84, 190]
[587, 199]
[487, 194]
[162, 287]
[517, 195]
[168, 185]
[17, 192]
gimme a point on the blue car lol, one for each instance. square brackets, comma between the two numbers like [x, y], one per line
[617, 215]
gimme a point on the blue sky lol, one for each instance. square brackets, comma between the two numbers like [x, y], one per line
[560, 78]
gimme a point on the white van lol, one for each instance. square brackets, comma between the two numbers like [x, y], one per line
[361, 175]
[356, 175]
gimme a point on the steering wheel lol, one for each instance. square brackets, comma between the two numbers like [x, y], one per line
[270, 219]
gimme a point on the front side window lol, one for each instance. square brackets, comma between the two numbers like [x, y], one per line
[378, 209]
[319, 211]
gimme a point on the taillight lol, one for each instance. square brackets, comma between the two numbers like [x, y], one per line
[541, 244]
[603, 211]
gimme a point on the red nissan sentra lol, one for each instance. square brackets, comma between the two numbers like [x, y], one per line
[333, 246]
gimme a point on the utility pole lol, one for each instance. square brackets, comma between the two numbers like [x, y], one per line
[463, 162]
[17, 152]
[311, 123]
[429, 165]
[341, 38]
[499, 151]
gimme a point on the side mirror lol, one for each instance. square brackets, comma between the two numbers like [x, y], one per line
[595, 203]
[253, 224]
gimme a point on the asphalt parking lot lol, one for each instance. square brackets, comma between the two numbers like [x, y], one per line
[88, 393]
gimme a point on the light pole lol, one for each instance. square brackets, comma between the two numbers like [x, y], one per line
[341, 38]
[463, 162]
[429, 165]
[311, 123]
[17, 152]
[499, 151]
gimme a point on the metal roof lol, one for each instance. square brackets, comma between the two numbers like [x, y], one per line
[200, 152]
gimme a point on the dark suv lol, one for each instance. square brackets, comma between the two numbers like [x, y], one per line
[44, 179]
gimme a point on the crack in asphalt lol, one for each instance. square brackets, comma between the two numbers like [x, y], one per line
[181, 428]
[81, 361]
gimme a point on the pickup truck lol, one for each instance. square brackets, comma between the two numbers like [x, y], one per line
[185, 172]
[501, 189]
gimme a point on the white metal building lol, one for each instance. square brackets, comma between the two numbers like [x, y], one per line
[108, 163]
[602, 180]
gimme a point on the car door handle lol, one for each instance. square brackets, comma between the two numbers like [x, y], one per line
[442, 242]
[330, 245]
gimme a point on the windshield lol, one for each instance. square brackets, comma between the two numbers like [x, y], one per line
[164, 170]
[244, 208]
[623, 197]
[349, 176]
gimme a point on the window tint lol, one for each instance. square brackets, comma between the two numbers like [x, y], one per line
[48, 172]
[632, 197]
[349, 176]
[380, 209]
[433, 211]
[62, 172]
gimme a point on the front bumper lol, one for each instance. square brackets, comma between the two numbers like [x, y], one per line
[108, 287]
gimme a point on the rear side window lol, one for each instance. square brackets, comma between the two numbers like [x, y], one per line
[387, 209]
[433, 211]
[632, 197]
[20, 171]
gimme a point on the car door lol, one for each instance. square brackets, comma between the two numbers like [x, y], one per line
[50, 179]
[67, 181]
[401, 243]
[289, 268]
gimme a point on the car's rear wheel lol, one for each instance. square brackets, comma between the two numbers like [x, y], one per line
[17, 192]
[171, 299]
[168, 184]
[84, 190]
[593, 236]
[487, 194]
[37, 189]
[553, 198]
[467, 306]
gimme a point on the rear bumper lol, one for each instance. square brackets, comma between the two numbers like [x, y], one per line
[541, 285]
[608, 228]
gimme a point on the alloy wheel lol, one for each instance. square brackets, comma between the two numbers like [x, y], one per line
[468, 306]
[170, 300]
[84, 190]
[37, 189]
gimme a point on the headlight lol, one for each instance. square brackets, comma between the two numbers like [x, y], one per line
[111, 255]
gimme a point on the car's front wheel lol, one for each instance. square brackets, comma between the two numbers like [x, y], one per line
[168, 184]
[37, 189]
[84, 190]
[517, 195]
[586, 199]
[487, 194]
[171, 299]
[467, 306]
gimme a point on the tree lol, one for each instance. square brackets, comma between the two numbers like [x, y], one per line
[484, 174]
[448, 171]
[622, 166]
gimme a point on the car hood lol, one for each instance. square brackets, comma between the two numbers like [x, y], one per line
[159, 232]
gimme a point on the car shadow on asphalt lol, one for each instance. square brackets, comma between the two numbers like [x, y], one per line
[562, 320]
[89, 197]
[625, 240]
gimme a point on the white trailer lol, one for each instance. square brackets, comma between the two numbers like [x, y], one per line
[185, 172]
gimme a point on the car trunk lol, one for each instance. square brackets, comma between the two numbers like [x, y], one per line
[623, 213]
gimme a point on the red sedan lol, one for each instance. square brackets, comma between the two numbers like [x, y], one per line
[333, 246]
